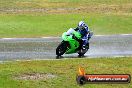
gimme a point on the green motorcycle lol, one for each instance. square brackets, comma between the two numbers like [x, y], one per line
[71, 44]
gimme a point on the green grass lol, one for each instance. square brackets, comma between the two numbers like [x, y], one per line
[54, 25]
[65, 70]
[39, 18]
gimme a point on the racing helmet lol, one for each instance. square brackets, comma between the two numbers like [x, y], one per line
[81, 25]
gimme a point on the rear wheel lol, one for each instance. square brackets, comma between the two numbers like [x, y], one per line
[82, 52]
[61, 49]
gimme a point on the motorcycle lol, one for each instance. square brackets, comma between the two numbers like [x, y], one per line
[71, 44]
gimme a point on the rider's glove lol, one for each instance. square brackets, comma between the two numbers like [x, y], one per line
[90, 35]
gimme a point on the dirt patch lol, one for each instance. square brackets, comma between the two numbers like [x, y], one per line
[79, 8]
[35, 76]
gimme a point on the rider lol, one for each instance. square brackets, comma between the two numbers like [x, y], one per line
[83, 29]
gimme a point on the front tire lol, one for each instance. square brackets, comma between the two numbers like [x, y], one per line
[61, 49]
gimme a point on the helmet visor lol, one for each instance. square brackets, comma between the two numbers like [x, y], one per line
[81, 27]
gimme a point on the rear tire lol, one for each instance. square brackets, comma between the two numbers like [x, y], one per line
[61, 49]
[82, 52]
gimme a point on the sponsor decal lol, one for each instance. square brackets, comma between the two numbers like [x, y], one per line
[83, 78]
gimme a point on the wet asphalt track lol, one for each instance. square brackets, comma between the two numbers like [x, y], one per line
[44, 48]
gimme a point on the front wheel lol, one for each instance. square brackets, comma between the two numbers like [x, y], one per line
[61, 49]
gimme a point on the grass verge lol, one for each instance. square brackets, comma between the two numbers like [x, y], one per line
[38, 18]
[65, 71]
[12, 25]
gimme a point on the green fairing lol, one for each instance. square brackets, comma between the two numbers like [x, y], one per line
[73, 43]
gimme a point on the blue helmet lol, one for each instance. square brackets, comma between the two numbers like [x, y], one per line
[83, 28]
[81, 25]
